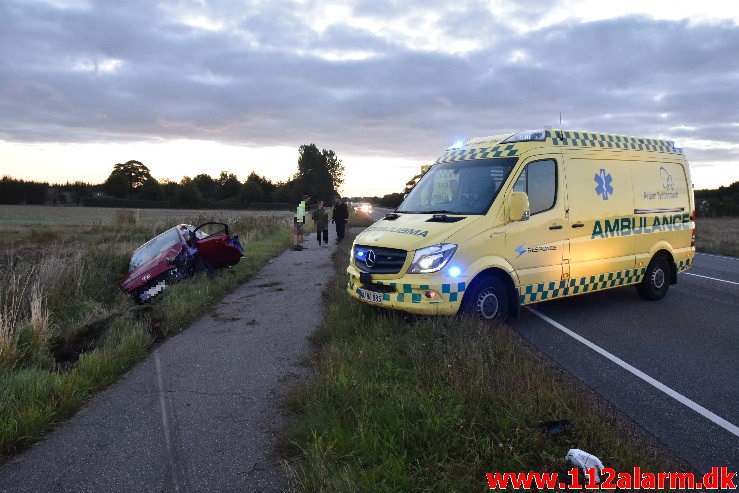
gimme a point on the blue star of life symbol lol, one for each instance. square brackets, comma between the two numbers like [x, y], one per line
[520, 250]
[604, 187]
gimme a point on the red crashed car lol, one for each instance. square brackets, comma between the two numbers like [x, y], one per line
[177, 254]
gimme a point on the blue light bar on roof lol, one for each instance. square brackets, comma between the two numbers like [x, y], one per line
[527, 136]
[457, 145]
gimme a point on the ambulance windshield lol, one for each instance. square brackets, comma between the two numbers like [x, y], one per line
[459, 187]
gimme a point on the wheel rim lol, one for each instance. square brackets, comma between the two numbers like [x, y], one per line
[487, 304]
[658, 278]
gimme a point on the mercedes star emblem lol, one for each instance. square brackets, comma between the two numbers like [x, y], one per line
[371, 259]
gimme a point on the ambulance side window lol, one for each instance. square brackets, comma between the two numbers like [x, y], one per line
[539, 180]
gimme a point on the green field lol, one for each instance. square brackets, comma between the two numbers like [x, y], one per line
[20, 218]
[719, 236]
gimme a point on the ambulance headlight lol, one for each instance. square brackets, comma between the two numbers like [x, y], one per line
[431, 259]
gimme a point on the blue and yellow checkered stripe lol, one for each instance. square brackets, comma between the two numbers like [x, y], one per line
[566, 287]
[588, 139]
[565, 138]
[507, 150]
[684, 265]
[413, 293]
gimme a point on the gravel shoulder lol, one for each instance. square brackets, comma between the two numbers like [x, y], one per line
[202, 411]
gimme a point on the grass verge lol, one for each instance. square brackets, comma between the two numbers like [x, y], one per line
[400, 403]
[719, 236]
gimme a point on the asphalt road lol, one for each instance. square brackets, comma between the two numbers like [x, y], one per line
[682, 381]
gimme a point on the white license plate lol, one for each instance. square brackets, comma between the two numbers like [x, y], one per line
[370, 296]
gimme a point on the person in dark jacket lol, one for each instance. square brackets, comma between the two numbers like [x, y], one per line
[320, 218]
[340, 217]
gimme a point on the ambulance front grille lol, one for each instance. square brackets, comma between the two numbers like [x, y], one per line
[380, 260]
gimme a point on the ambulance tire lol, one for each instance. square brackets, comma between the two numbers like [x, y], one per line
[656, 280]
[488, 299]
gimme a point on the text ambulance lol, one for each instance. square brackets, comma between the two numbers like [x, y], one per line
[504, 221]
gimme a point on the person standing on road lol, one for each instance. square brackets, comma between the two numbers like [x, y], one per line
[320, 219]
[298, 221]
[340, 217]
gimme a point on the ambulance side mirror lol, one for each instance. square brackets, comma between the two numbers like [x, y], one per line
[518, 206]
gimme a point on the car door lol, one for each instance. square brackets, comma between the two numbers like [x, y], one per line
[535, 247]
[216, 247]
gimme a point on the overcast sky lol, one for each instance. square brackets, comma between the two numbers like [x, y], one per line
[201, 86]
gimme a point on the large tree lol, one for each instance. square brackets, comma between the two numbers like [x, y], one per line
[133, 172]
[320, 173]
[335, 168]
[116, 186]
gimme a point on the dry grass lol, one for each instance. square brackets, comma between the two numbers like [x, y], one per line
[719, 236]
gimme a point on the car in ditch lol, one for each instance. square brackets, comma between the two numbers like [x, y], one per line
[177, 254]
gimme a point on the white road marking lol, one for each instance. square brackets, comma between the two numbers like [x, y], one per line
[718, 420]
[716, 256]
[711, 278]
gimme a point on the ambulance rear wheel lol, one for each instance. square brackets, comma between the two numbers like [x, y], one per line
[656, 280]
[488, 299]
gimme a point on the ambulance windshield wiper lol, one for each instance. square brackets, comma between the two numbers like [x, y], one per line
[441, 217]
[427, 212]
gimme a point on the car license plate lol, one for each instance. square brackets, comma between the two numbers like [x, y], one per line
[370, 296]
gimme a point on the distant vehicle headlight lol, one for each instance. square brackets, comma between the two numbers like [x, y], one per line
[431, 259]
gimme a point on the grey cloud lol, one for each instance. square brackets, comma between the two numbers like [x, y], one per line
[264, 82]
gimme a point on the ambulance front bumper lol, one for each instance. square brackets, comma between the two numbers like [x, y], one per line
[431, 294]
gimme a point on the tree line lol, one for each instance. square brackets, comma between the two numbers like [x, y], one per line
[721, 202]
[320, 174]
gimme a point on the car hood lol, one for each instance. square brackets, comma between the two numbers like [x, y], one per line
[150, 269]
[413, 231]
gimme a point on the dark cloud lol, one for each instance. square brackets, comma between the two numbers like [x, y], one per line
[279, 72]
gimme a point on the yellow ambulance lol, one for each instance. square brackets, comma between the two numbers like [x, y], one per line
[504, 221]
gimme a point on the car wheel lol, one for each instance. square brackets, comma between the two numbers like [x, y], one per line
[136, 295]
[656, 279]
[488, 299]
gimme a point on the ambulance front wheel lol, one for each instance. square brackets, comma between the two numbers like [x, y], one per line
[656, 279]
[488, 299]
